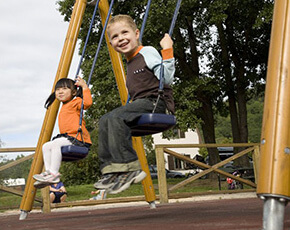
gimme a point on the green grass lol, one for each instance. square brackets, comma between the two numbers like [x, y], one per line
[9, 200]
[83, 192]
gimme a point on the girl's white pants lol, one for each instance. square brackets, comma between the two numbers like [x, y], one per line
[52, 153]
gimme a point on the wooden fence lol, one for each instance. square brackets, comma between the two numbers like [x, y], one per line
[162, 182]
[14, 163]
[165, 148]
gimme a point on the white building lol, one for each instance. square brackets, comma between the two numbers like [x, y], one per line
[189, 137]
[18, 183]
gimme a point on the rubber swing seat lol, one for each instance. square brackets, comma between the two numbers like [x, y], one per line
[151, 123]
[73, 152]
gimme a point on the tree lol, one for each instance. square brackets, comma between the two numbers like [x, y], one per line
[18, 171]
[221, 50]
[242, 58]
[255, 116]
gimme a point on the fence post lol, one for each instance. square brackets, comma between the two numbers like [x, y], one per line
[162, 183]
[45, 200]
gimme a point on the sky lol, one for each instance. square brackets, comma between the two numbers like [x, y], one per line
[32, 37]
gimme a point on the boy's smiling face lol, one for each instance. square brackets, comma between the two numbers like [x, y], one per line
[123, 38]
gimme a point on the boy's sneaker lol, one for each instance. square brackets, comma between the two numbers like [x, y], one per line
[106, 181]
[47, 177]
[126, 179]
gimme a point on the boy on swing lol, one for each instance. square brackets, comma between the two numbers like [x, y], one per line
[118, 160]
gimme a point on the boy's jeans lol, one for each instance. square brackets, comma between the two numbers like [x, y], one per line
[115, 148]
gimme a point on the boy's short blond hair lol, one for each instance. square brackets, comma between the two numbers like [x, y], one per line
[123, 18]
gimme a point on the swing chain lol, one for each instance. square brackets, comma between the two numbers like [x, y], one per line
[160, 94]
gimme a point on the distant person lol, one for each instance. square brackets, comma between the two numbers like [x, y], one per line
[100, 195]
[57, 193]
[71, 93]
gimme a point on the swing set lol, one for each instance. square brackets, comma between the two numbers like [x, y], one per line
[274, 171]
[147, 124]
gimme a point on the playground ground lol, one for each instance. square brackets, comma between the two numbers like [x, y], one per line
[215, 212]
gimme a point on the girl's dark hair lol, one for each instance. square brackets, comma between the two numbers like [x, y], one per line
[64, 82]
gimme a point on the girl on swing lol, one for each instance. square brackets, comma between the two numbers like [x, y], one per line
[119, 162]
[66, 91]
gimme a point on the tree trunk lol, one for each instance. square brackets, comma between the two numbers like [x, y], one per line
[238, 116]
[230, 89]
[206, 114]
[241, 93]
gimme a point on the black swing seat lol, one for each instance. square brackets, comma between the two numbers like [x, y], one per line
[73, 152]
[151, 123]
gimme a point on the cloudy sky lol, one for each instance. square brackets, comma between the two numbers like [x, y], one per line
[32, 37]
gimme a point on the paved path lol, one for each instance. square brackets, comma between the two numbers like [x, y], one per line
[206, 214]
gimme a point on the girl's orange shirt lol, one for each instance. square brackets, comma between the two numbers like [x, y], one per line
[69, 116]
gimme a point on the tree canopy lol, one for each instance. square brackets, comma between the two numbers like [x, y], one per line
[221, 51]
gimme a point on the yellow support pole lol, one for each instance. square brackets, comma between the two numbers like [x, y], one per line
[120, 76]
[274, 174]
[274, 170]
[51, 114]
